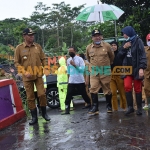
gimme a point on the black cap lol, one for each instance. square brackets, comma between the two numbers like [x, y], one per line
[28, 31]
[96, 31]
[114, 42]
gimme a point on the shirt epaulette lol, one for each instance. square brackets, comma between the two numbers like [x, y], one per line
[19, 45]
[89, 45]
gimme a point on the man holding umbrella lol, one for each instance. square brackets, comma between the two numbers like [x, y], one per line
[99, 54]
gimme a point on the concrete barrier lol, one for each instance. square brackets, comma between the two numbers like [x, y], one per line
[11, 108]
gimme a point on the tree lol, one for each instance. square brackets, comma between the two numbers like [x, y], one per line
[10, 31]
[137, 14]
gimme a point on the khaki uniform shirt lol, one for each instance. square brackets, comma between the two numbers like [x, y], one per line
[147, 70]
[31, 58]
[86, 73]
[99, 56]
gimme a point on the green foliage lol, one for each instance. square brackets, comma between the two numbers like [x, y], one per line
[56, 26]
[137, 14]
[64, 49]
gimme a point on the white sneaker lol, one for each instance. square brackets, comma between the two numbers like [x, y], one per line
[145, 107]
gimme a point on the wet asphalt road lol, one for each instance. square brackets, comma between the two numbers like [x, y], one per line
[80, 131]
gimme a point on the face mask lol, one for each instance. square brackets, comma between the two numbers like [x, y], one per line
[128, 39]
[148, 43]
[98, 42]
[71, 54]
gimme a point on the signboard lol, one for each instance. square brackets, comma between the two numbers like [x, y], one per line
[11, 108]
[6, 102]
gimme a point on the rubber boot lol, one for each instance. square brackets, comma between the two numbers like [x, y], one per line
[39, 108]
[129, 99]
[139, 103]
[44, 114]
[94, 110]
[108, 103]
[34, 117]
[67, 110]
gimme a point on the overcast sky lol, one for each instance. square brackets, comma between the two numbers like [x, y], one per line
[24, 8]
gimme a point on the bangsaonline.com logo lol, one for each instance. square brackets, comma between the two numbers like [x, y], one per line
[93, 70]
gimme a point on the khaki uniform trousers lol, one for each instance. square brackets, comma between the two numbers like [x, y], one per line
[147, 89]
[29, 87]
[88, 93]
[117, 83]
[100, 81]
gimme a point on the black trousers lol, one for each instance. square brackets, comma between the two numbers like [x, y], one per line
[80, 88]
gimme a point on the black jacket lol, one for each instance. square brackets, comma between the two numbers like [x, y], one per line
[138, 56]
[117, 60]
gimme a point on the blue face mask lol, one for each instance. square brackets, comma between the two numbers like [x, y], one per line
[98, 42]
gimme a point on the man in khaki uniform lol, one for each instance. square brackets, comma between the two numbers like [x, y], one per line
[100, 57]
[29, 59]
[147, 71]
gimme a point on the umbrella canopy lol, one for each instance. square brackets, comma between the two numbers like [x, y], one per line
[100, 13]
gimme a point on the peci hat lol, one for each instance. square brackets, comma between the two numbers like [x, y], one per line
[148, 37]
[28, 31]
[96, 31]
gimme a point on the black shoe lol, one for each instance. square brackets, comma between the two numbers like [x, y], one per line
[67, 110]
[139, 112]
[34, 117]
[109, 109]
[94, 110]
[87, 106]
[65, 113]
[129, 111]
[44, 114]
[108, 103]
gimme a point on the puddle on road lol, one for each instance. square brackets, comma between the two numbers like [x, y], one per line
[65, 139]
[39, 130]
[69, 131]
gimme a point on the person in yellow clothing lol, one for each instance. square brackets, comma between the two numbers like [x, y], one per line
[62, 83]
[116, 82]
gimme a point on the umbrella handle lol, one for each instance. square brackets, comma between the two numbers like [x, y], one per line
[115, 30]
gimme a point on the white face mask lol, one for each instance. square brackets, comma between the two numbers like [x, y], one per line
[98, 42]
[148, 43]
[127, 38]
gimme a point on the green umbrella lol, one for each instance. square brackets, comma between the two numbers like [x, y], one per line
[100, 13]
